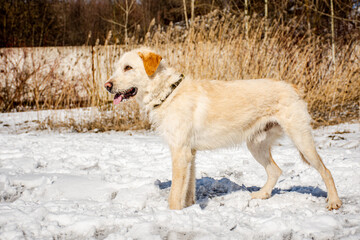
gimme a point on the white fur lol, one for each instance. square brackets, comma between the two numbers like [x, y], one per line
[202, 114]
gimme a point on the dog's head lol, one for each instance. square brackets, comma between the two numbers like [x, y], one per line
[134, 70]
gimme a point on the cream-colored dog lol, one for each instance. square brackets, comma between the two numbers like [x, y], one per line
[201, 114]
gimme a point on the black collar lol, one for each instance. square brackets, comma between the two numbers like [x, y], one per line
[173, 86]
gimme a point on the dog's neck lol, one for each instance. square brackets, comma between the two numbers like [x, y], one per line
[164, 83]
[172, 88]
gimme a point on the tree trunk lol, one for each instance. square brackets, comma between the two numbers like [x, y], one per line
[126, 21]
[192, 11]
[185, 14]
[266, 18]
[246, 18]
[332, 31]
[308, 17]
[42, 26]
[64, 29]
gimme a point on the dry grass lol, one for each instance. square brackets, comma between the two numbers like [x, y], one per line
[120, 118]
[331, 90]
[217, 46]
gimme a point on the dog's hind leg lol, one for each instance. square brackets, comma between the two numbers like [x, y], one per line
[261, 151]
[183, 175]
[300, 134]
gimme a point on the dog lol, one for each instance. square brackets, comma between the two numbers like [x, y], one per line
[195, 115]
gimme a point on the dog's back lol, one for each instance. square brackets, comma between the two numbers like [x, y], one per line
[225, 113]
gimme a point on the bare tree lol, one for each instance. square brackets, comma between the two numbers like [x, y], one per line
[266, 18]
[332, 31]
[185, 14]
[308, 16]
[246, 18]
[127, 9]
[192, 11]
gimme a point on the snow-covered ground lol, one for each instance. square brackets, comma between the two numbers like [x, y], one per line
[114, 185]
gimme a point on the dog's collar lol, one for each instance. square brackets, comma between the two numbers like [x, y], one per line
[172, 88]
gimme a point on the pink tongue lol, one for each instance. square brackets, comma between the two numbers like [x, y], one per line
[117, 100]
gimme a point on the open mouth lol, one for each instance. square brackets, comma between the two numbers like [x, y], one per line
[124, 95]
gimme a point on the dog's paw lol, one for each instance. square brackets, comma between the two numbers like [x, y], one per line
[260, 195]
[334, 204]
[189, 202]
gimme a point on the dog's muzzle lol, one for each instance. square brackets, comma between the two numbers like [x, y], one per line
[124, 95]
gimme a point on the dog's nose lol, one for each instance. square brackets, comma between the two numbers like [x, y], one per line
[108, 86]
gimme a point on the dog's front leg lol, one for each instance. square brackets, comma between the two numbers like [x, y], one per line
[181, 170]
[190, 195]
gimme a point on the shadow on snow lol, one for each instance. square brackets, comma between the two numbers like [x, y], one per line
[207, 188]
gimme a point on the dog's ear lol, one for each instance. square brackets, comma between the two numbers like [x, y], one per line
[151, 62]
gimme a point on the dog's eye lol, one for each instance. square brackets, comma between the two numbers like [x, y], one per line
[127, 68]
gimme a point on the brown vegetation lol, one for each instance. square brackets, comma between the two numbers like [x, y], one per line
[84, 22]
[216, 46]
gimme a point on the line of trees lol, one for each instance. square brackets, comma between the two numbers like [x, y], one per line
[33, 23]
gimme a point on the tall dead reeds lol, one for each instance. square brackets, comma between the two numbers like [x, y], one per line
[217, 46]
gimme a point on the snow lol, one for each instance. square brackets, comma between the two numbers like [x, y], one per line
[114, 185]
